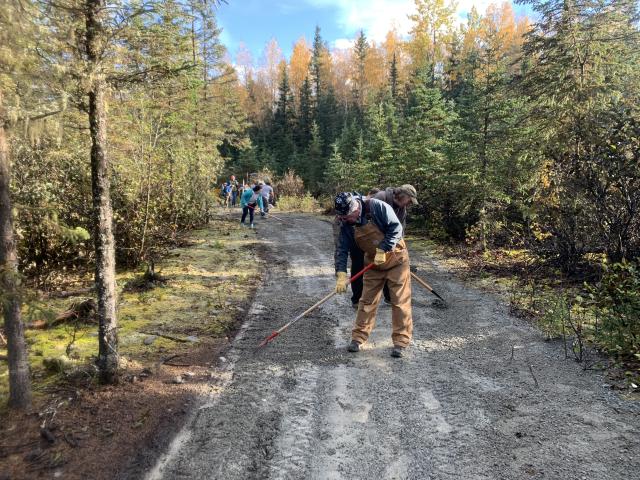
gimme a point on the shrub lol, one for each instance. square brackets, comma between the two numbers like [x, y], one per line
[616, 300]
[290, 185]
[305, 203]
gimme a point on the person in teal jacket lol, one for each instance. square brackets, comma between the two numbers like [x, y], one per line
[251, 198]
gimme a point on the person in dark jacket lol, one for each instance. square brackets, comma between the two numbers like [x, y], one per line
[377, 231]
[235, 190]
[355, 254]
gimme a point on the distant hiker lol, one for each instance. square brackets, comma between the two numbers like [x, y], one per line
[378, 232]
[251, 198]
[223, 193]
[235, 190]
[227, 194]
[267, 194]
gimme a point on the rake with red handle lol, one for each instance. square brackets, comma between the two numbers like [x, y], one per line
[312, 308]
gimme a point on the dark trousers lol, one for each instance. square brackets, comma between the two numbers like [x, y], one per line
[357, 264]
[265, 206]
[248, 209]
[234, 198]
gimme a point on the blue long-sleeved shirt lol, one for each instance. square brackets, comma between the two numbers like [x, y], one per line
[383, 216]
[246, 198]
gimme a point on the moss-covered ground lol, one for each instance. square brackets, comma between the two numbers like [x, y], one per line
[208, 279]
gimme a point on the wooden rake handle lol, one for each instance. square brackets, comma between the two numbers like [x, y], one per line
[426, 285]
[311, 308]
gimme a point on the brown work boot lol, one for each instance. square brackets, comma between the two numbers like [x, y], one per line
[397, 352]
[354, 346]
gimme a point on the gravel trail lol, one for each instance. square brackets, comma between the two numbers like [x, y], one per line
[456, 407]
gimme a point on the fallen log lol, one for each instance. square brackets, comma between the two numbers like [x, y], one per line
[168, 337]
[83, 311]
[71, 293]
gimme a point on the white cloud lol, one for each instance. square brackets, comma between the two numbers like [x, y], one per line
[343, 43]
[377, 17]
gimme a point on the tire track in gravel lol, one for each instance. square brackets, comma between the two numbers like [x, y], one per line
[455, 407]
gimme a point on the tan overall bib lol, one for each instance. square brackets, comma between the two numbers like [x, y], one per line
[395, 271]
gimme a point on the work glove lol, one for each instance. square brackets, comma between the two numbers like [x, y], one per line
[380, 257]
[341, 282]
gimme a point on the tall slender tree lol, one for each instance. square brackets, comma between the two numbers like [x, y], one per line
[17, 67]
[360, 52]
[95, 41]
[315, 66]
[393, 77]
[283, 121]
[19, 376]
[304, 116]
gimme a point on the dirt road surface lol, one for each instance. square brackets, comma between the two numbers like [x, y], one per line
[456, 407]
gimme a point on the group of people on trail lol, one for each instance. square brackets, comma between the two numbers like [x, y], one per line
[370, 229]
[248, 196]
[259, 195]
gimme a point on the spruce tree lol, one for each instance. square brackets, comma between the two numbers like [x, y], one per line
[359, 80]
[338, 173]
[315, 160]
[393, 77]
[283, 122]
[305, 116]
[316, 64]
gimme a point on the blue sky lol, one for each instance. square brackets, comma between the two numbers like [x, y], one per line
[255, 22]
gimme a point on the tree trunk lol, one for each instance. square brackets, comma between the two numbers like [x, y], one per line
[100, 185]
[19, 377]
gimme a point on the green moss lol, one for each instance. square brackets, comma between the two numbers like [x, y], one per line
[205, 280]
